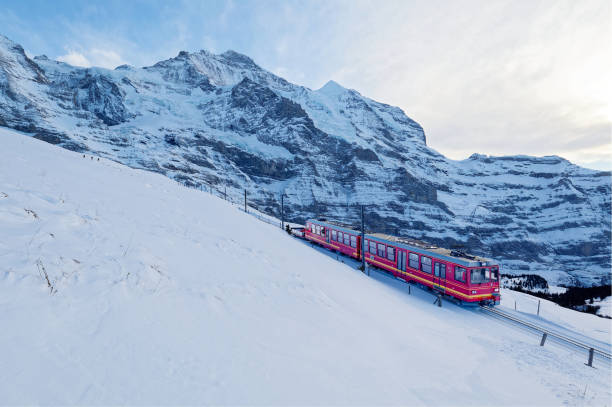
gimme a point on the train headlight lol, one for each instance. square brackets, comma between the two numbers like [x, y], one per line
[496, 290]
[473, 291]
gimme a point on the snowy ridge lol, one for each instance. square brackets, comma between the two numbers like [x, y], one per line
[221, 120]
[167, 295]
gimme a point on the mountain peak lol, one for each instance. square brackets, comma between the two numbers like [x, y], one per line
[237, 57]
[9, 45]
[332, 88]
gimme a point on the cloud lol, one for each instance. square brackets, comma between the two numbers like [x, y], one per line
[75, 58]
[93, 57]
[105, 58]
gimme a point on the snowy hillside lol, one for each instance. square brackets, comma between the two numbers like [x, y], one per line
[222, 120]
[119, 286]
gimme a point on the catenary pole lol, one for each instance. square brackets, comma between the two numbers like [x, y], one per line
[282, 212]
[362, 242]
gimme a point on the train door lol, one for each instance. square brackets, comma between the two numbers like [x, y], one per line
[440, 276]
[401, 260]
[327, 235]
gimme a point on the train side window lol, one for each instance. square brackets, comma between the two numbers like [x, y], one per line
[340, 237]
[372, 247]
[426, 264]
[414, 260]
[460, 274]
[318, 230]
[334, 235]
[312, 227]
[391, 253]
[381, 250]
[437, 269]
[353, 241]
[494, 273]
[347, 238]
[442, 270]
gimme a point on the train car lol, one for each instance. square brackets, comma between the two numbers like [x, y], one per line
[470, 279]
[334, 236]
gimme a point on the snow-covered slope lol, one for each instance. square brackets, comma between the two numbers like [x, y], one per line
[166, 295]
[213, 119]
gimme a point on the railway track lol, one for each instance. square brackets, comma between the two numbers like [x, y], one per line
[592, 350]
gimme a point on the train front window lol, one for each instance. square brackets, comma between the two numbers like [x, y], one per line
[479, 276]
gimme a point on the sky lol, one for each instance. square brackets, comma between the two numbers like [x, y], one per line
[493, 77]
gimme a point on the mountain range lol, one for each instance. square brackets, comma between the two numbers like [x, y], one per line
[220, 120]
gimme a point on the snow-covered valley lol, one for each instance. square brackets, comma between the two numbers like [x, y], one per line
[120, 286]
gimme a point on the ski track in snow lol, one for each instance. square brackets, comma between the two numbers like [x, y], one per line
[166, 295]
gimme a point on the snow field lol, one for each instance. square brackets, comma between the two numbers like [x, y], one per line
[167, 295]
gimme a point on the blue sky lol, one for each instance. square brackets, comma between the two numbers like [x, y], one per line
[494, 77]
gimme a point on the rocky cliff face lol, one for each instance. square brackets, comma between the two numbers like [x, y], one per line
[213, 119]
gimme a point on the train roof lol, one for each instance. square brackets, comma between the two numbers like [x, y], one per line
[453, 256]
[345, 227]
[417, 246]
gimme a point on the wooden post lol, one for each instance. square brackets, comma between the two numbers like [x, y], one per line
[225, 193]
[538, 307]
[544, 336]
[514, 300]
[409, 288]
[591, 352]
[439, 300]
[245, 207]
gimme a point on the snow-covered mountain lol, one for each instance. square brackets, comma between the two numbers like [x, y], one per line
[121, 287]
[213, 119]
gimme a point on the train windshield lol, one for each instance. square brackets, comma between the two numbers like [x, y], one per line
[479, 276]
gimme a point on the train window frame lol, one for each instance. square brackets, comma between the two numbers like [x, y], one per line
[340, 238]
[317, 230]
[347, 239]
[353, 241]
[372, 248]
[312, 228]
[381, 250]
[391, 253]
[442, 270]
[415, 257]
[334, 235]
[424, 264]
[437, 269]
[462, 272]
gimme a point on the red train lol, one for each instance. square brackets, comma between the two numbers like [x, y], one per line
[470, 279]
